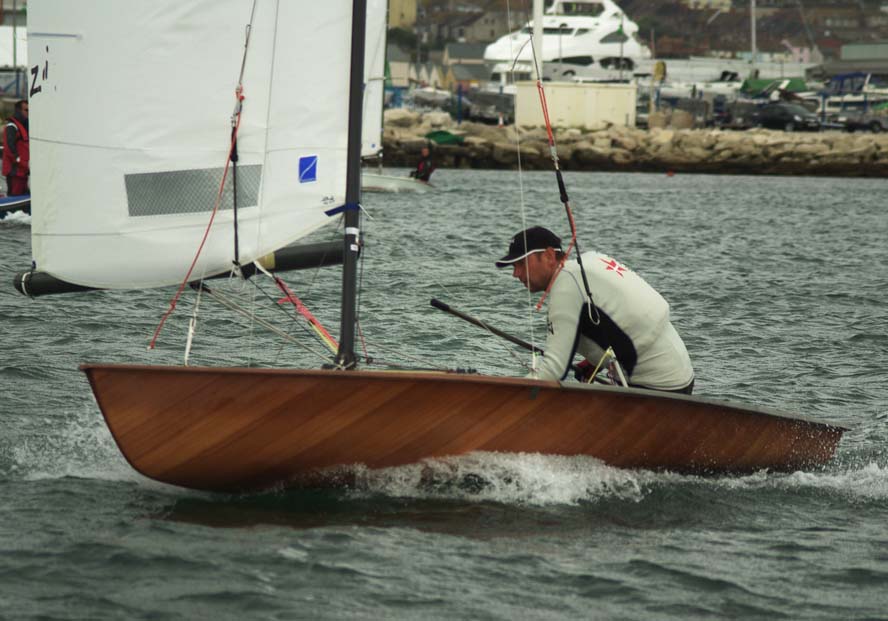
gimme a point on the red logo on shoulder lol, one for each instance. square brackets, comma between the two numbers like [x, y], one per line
[613, 266]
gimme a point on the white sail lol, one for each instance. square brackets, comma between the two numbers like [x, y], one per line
[131, 124]
[374, 77]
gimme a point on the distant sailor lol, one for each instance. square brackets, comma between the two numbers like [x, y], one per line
[16, 151]
[627, 315]
[425, 167]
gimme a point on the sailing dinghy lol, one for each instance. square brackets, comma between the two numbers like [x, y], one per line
[374, 95]
[159, 143]
[374, 182]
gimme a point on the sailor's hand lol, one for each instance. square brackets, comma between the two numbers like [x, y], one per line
[583, 371]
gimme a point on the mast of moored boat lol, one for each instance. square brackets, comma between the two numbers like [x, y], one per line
[345, 358]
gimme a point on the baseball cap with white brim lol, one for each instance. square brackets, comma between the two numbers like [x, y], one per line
[534, 239]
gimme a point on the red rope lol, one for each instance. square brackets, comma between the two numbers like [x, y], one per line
[570, 218]
[240, 97]
[300, 307]
[542, 93]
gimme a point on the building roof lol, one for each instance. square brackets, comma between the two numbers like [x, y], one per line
[473, 51]
[394, 54]
[470, 72]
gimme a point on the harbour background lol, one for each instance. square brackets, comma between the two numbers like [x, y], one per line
[777, 285]
[605, 147]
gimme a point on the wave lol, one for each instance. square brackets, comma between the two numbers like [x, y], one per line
[543, 480]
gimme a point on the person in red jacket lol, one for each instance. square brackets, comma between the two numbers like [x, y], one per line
[16, 151]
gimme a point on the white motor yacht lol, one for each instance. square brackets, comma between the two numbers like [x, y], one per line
[583, 33]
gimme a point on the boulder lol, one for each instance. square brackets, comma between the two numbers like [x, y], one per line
[571, 134]
[625, 141]
[809, 149]
[400, 117]
[657, 120]
[437, 120]
[621, 156]
[587, 154]
[696, 154]
[564, 150]
[681, 119]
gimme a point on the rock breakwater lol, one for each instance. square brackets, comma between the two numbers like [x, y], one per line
[615, 148]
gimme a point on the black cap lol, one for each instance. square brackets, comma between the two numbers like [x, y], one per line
[537, 238]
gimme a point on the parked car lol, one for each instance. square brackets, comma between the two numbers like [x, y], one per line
[786, 116]
[853, 121]
[736, 115]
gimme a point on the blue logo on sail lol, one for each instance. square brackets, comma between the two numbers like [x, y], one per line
[308, 168]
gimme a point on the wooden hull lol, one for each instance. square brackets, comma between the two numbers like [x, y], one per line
[249, 429]
[371, 182]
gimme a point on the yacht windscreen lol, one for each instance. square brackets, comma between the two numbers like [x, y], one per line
[563, 30]
[587, 9]
[617, 36]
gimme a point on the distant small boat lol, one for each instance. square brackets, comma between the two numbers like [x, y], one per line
[371, 182]
[10, 204]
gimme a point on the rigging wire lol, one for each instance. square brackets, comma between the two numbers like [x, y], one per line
[231, 305]
[236, 120]
[292, 317]
[401, 353]
[192, 327]
[521, 202]
[360, 289]
[553, 151]
[316, 326]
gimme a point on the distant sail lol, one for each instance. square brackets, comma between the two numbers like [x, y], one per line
[131, 122]
[374, 77]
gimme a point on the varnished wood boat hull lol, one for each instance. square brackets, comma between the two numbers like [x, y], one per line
[249, 429]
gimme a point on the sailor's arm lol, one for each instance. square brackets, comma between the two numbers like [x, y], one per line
[11, 135]
[565, 304]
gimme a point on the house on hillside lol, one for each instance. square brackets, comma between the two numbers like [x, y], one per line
[399, 66]
[466, 75]
[401, 13]
[482, 28]
[428, 74]
[464, 54]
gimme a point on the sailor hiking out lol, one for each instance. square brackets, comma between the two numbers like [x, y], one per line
[623, 313]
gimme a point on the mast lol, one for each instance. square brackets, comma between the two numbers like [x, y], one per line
[345, 358]
[537, 35]
[752, 37]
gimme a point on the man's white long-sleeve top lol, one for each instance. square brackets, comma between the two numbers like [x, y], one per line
[628, 315]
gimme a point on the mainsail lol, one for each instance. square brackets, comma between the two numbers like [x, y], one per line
[125, 194]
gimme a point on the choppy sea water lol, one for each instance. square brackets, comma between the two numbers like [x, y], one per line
[778, 286]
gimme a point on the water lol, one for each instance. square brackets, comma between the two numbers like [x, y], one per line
[778, 286]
